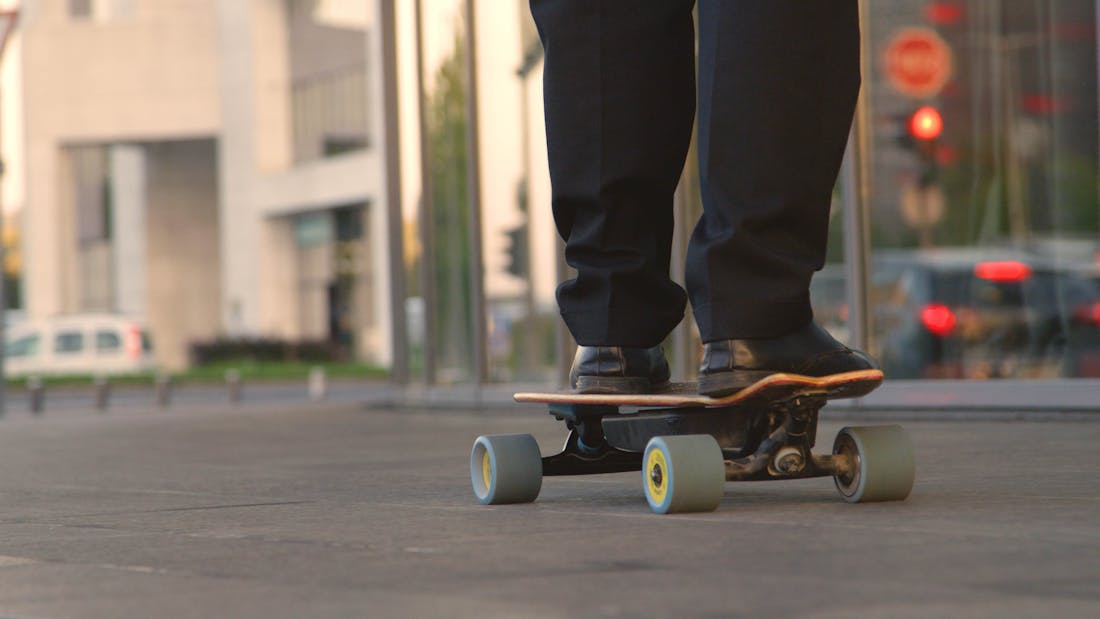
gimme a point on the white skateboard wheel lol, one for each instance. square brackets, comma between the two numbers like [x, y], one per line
[880, 464]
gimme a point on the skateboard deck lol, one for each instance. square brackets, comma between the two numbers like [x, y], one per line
[776, 387]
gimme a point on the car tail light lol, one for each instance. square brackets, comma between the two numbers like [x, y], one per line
[1003, 271]
[1089, 313]
[131, 342]
[938, 319]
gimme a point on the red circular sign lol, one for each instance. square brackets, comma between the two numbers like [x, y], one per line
[917, 62]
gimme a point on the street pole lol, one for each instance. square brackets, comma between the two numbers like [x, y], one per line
[473, 183]
[854, 197]
[7, 24]
[394, 217]
[3, 302]
[426, 208]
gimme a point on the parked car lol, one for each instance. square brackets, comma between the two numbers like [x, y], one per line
[78, 344]
[1083, 336]
[977, 313]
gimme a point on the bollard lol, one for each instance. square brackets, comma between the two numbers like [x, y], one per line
[164, 389]
[233, 383]
[37, 394]
[318, 384]
[102, 387]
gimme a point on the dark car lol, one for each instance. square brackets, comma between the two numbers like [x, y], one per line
[1083, 329]
[974, 313]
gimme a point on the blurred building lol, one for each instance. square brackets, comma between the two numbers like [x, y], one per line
[213, 166]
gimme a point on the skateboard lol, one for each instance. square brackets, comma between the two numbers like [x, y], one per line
[687, 446]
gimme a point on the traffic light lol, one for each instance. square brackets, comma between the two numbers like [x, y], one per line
[923, 129]
[926, 123]
[518, 263]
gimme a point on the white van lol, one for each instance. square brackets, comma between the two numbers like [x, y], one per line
[78, 344]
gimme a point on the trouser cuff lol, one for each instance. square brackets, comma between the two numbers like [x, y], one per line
[727, 321]
[631, 328]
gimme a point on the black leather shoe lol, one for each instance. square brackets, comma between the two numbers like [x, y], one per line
[732, 365]
[619, 370]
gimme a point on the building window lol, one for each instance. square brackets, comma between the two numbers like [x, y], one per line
[327, 49]
[100, 10]
[80, 9]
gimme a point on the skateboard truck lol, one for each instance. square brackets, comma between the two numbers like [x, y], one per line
[779, 448]
[586, 448]
[786, 451]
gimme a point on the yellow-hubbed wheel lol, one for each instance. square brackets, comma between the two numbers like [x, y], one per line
[683, 473]
[506, 468]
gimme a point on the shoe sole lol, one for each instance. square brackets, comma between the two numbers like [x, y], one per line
[617, 385]
[726, 383]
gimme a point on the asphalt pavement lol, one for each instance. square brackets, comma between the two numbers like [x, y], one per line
[336, 509]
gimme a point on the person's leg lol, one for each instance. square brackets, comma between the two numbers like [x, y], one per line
[778, 81]
[620, 101]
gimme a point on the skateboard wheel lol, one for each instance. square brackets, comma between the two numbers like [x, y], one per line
[683, 473]
[506, 468]
[880, 464]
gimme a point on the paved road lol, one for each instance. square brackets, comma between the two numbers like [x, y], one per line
[333, 511]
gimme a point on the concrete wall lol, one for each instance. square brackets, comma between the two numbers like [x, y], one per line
[148, 75]
[183, 262]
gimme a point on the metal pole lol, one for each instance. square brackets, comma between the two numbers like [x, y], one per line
[10, 18]
[427, 266]
[102, 388]
[473, 175]
[233, 385]
[318, 384]
[164, 389]
[681, 336]
[394, 227]
[855, 248]
[3, 309]
[856, 238]
[566, 346]
[36, 394]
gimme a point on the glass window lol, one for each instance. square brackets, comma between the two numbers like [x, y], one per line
[518, 237]
[107, 341]
[983, 169]
[26, 346]
[327, 44]
[68, 342]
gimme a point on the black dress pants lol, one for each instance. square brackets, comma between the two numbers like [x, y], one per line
[778, 81]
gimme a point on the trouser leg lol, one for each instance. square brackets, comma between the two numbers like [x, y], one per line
[778, 81]
[620, 100]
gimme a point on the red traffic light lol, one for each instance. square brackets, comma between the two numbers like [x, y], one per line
[926, 123]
